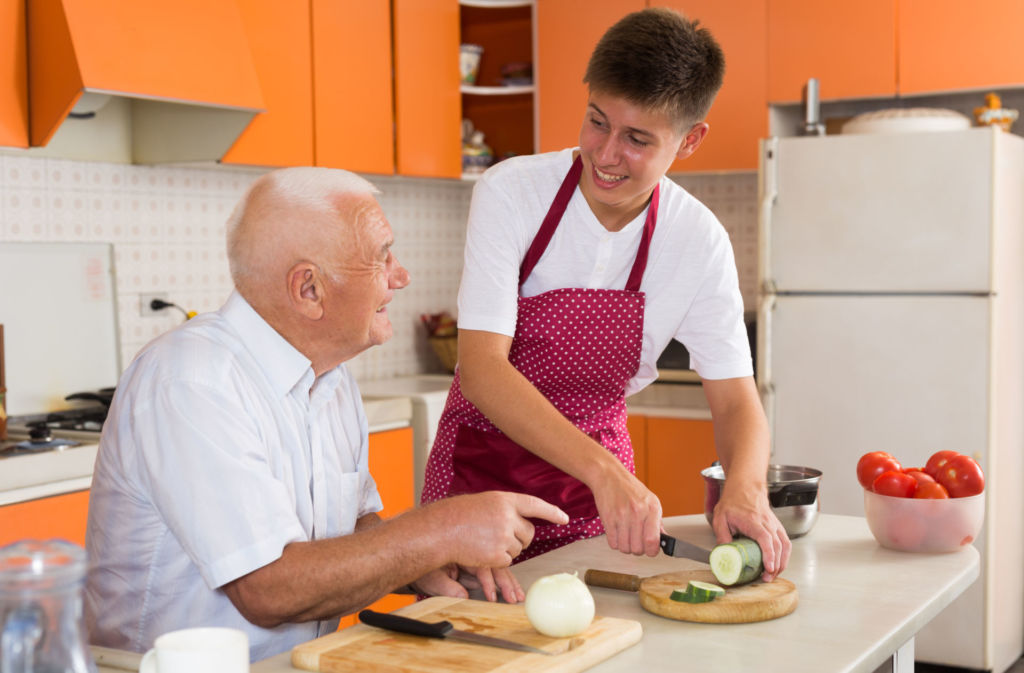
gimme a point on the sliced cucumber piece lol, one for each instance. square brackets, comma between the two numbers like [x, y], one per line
[736, 562]
[697, 592]
[705, 589]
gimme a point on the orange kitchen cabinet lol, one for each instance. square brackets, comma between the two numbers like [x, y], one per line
[60, 516]
[353, 108]
[428, 107]
[946, 45]
[567, 31]
[13, 75]
[637, 428]
[850, 47]
[279, 38]
[391, 467]
[674, 451]
[739, 116]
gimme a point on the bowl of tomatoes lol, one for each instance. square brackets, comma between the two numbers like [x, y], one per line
[935, 508]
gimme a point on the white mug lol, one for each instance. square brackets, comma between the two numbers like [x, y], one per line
[198, 650]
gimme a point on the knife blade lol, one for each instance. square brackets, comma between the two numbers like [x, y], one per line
[682, 549]
[443, 629]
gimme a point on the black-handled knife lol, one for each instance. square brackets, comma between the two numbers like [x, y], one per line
[682, 549]
[415, 627]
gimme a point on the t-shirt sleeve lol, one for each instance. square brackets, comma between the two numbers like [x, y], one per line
[713, 330]
[210, 481]
[495, 246]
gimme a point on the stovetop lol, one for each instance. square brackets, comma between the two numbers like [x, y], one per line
[54, 430]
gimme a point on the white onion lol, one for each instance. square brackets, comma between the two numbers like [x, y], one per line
[559, 605]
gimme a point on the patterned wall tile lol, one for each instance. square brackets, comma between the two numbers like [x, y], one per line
[167, 226]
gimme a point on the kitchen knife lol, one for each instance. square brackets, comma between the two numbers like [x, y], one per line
[682, 549]
[415, 627]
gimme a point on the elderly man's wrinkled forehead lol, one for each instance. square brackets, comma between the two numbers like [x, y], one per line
[360, 221]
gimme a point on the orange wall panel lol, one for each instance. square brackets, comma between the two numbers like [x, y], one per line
[677, 450]
[61, 516]
[279, 37]
[13, 75]
[567, 31]
[849, 46]
[352, 91]
[428, 106]
[946, 45]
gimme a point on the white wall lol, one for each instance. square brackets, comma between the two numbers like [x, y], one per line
[167, 226]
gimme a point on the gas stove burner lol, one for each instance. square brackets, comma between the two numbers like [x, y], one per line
[39, 434]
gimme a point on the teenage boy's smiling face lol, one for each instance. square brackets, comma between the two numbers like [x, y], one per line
[626, 149]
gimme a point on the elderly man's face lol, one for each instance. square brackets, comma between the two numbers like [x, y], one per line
[365, 280]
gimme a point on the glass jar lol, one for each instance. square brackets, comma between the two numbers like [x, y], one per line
[41, 629]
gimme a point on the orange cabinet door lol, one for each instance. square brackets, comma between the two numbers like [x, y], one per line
[392, 469]
[677, 450]
[850, 47]
[637, 427]
[739, 116]
[952, 44]
[567, 31]
[352, 95]
[279, 39]
[61, 516]
[13, 75]
[428, 103]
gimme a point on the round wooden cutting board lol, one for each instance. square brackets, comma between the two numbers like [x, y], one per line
[755, 602]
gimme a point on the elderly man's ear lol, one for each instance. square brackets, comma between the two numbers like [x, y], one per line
[305, 290]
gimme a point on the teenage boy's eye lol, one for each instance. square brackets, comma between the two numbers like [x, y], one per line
[636, 141]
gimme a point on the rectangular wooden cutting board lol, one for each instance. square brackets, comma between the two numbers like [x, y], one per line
[365, 648]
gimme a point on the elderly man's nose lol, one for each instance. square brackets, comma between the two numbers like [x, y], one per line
[399, 276]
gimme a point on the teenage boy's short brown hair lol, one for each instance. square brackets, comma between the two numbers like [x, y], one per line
[658, 59]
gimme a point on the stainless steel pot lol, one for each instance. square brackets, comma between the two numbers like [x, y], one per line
[792, 492]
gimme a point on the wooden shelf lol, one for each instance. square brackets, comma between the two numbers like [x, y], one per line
[496, 3]
[497, 90]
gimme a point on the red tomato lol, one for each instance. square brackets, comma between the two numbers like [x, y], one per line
[938, 459]
[919, 475]
[962, 476]
[894, 483]
[931, 489]
[873, 464]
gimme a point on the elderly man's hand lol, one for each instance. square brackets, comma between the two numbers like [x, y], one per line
[490, 529]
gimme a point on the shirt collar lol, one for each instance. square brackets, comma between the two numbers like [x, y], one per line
[283, 365]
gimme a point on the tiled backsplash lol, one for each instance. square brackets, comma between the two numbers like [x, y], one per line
[167, 227]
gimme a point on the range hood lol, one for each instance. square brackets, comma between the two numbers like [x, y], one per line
[181, 71]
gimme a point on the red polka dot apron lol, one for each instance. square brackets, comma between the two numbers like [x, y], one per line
[579, 347]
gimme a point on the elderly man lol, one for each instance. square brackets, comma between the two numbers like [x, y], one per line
[231, 487]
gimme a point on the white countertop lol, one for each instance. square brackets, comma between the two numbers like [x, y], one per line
[858, 604]
[41, 475]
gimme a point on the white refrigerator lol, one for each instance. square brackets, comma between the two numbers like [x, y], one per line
[892, 318]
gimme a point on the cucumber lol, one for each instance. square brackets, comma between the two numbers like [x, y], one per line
[736, 562]
[697, 592]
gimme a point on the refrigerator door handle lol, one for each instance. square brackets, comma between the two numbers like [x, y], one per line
[766, 386]
[768, 194]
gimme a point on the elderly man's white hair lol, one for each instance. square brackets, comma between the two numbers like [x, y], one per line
[272, 198]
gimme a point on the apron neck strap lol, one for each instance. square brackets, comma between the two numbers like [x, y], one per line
[554, 216]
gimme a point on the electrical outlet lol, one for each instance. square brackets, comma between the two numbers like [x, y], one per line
[145, 310]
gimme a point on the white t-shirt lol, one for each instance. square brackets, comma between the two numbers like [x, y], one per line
[691, 285]
[220, 448]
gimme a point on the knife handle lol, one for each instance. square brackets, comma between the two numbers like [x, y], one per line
[415, 627]
[610, 580]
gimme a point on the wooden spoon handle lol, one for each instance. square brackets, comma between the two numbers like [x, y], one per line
[611, 580]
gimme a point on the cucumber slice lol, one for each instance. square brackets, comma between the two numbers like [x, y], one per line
[705, 589]
[697, 592]
[736, 562]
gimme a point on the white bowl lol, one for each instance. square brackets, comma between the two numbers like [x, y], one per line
[924, 524]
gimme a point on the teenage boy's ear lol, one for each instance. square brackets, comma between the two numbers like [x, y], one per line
[692, 140]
